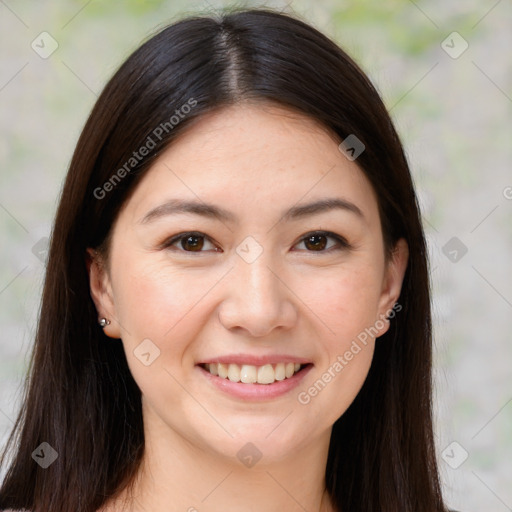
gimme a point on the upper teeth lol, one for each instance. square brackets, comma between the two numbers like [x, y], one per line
[249, 374]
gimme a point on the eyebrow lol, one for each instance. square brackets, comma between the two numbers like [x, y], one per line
[178, 206]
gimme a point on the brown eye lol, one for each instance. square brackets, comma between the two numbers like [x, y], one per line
[318, 242]
[190, 242]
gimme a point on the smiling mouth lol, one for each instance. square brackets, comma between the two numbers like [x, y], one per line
[250, 374]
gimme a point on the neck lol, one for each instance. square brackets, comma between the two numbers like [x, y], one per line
[175, 471]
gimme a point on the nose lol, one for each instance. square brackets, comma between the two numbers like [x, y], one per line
[258, 299]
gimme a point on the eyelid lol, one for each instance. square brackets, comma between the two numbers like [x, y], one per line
[342, 242]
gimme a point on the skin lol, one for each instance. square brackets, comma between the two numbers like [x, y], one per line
[255, 161]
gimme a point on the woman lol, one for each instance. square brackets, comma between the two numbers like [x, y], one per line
[236, 311]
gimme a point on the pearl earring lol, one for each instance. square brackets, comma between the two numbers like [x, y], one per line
[104, 322]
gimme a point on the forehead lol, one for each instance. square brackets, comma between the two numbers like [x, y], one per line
[253, 159]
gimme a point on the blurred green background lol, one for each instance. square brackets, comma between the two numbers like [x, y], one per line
[450, 96]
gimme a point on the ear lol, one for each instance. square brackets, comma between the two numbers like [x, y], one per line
[392, 284]
[101, 292]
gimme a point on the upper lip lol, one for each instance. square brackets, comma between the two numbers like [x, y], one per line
[254, 360]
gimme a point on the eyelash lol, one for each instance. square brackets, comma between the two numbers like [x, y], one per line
[342, 243]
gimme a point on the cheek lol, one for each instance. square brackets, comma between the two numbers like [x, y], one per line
[148, 301]
[336, 387]
[346, 299]
[347, 304]
[163, 304]
[155, 303]
[347, 357]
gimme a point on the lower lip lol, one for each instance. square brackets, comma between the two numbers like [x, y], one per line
[256, 391]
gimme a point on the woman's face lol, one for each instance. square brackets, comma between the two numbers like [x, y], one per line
[252, 242]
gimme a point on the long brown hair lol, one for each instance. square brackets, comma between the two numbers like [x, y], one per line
[81, 398]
